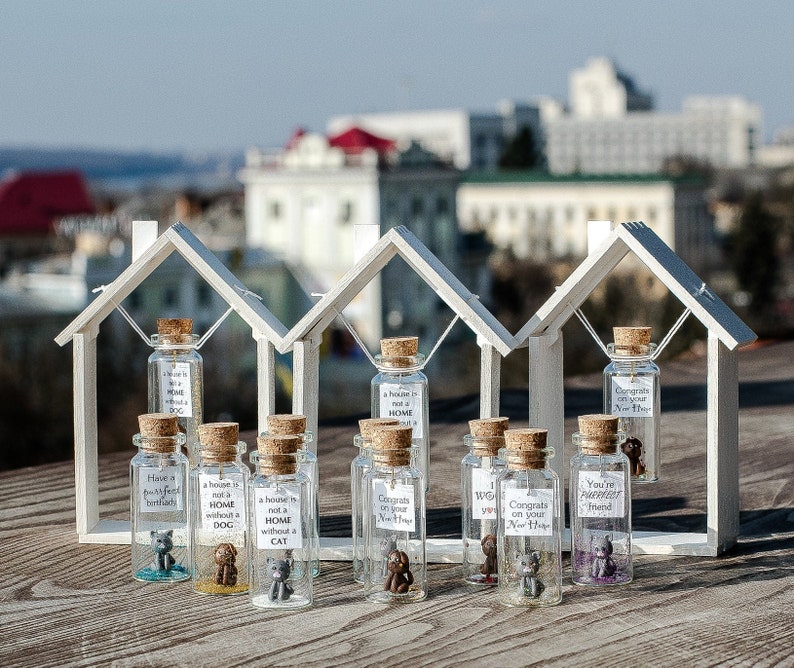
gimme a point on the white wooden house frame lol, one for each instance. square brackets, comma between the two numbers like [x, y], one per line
[149, 251]
[726, 333]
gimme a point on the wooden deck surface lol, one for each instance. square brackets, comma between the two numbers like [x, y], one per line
[66, 604]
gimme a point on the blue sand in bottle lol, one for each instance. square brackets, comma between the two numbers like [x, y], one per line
[177, 572]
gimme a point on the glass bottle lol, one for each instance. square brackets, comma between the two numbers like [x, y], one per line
[218, 511]
[284, 424]
[600, 504]
[361, 463]
[632, 392]
[395, 566]
[158, 501]
[478, 471]
[528, 535]
[176, 378]
[280, 545]
[399, 390]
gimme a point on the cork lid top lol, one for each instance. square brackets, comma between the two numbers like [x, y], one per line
[368, 426]
[488, 427]
[285, 423]
[158, 425]
[174, 326]
[524, 440]
[632, 339]
[392, 437]
[278, 444]
[219, 434]
[399, 346]
[598, 427]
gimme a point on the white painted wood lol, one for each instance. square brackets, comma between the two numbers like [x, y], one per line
[108, 532]
[490, 380]
[144, 234]
[86, 467]
[364, 238]
[597, 233]
[306, 383]
[266, 380]
[722, 446]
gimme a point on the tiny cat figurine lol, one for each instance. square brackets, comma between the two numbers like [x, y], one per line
[279, 571]
[488, 544]
[604, 565]
[527, 566]
[226, 572]
[400, 577]
[162, 544]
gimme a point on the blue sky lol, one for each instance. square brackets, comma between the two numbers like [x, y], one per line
[197, 76]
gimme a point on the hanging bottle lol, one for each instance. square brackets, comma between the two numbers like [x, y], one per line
[218, 485]
[600, 504]
[399, 390]
[632, 392]
[158, 501]
[361, 463]
[530, 566]
[176, 378]
[394, 521]
[478, 471]
[284, 424]
[280, 545]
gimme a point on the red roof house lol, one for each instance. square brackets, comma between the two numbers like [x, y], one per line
[356, 140]
[31, 202]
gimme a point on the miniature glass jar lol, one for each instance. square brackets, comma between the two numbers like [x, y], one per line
[218, 511]
[528, 535]
[285, 424]
[399, 390]
[632, 392]
[395, 567]
[600, 504]
[158, 501]
[176, 378]
[361, 463]
[280, 535]
[478, 471]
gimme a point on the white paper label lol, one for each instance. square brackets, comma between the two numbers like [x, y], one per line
[483, 495]
[175, 389]
[528, 512]
[222, 502]
[632, 397]
[160, 490]
[601, 494]
[278, 519]
[403, 402]
[393, 506]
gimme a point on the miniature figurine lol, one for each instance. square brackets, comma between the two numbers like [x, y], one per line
[604, 565]
[488, 544]
[527, 566]
[279, 570]
[387, 546]
[162, 544]
[632, 448]
[400, 577]
[225, 556]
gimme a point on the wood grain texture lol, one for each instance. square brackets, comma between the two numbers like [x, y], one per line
[67, 604]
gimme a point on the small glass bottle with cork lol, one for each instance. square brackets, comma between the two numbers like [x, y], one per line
[632, 392]
[176, 378]
[479, 469]
[361, 463]
[158, 501]
[395, 567]
[287, 424]
[528, 536]
[280, 533]
[218, 511]
[399, 390]
[600, 504]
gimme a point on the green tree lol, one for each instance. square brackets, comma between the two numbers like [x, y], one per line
[521, 152]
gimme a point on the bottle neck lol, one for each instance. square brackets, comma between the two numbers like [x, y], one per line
[484, 446]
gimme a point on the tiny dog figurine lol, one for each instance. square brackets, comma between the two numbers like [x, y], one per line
[400, 577]
[226, 572]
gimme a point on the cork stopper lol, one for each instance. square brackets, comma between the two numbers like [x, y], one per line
[399, 346]
[597, 433]
[174, 326]
[487, 435]
[286, 424]
[391, 445]
[526, 448]
[368, 426]
[158, 432]
[631, 340]
[218, 441]
[277, 453]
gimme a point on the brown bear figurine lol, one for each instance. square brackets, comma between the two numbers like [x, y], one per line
[400, 577]
[226, 573]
